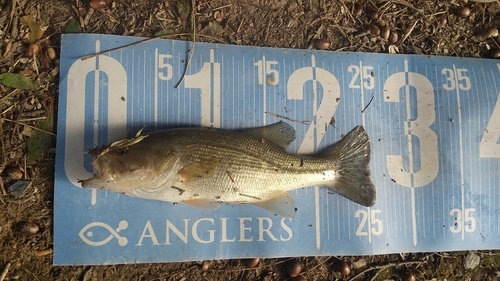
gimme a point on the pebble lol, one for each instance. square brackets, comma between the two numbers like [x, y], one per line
[472, 260]
[18, 188]
[359, 264]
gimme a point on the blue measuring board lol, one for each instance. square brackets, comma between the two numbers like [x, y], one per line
[434, 125]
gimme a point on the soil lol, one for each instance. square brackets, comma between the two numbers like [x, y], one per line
[431, 27]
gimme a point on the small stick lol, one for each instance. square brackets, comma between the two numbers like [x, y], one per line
[4, 272]
[23, 124]
[370, 102]
[4, 192]
[229, 175]
[41, 253]
[9, 94]
[145, 41]
[409, 32]
[383, 267]
[288, 118]
[252, 268]
[193, 26]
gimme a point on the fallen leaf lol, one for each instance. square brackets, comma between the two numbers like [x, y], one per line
[73, 26]
[213, 28]
[164, 32]
[36, 32]
[184, 10]
[18, 81]
[40, 141]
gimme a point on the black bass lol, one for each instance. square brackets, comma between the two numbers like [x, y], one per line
[203, 167]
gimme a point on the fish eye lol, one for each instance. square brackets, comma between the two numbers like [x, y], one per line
[121, 151]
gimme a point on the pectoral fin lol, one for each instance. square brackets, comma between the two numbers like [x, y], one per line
[281, 205]
[198, 170]
[206, 204]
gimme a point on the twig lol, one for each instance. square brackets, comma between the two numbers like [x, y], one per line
[495, 41]
[9, 94]
[41, 40]
[191, 52]
[251, 268]
[4, 192]
[383, 267]
[370, 102]
[305, 122]
[409, 32]
[148, 40]
[24, 124]
[404, 3]
[12, 11]
[4, 272]
[41, 253]
[175, 273]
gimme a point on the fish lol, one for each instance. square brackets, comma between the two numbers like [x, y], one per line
[204, 167]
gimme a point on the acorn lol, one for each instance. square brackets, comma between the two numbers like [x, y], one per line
[299, 278]
[443, 20]
[98, 4]
[374, 29]
[294, 267]
[495, 54]
[373, 15]
[322, 44]
[13, 173]
[343, 267]
[358, 9]
[393, 37]
[51, 53]
[252, 262]
[463, 12]
[27, 228]
[487, 33]
[33, 50]
[385, 31]
[409, 276]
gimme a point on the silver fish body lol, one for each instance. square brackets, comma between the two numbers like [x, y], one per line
[204, 166]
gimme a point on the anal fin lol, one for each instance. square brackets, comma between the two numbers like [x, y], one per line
[282, 205]
[206, 204]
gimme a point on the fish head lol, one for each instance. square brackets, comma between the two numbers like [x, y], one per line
[120, 169]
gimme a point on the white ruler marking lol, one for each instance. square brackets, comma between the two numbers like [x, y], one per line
[462, 191]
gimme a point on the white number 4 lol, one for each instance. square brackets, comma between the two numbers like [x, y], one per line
[489, 146]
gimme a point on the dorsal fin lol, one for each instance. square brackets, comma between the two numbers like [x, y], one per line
[279, 133]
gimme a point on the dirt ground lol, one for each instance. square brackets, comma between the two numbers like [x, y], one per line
[432, 27]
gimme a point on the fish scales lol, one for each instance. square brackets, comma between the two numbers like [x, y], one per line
[252, 171]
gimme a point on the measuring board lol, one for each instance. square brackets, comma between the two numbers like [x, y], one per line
[434, 125]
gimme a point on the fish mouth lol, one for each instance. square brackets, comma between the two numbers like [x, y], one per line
[105, 173]
[94, 183]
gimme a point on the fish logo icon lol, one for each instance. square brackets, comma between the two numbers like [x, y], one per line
[86, 234]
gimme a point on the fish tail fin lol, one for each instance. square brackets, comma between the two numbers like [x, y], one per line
[351, 156]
